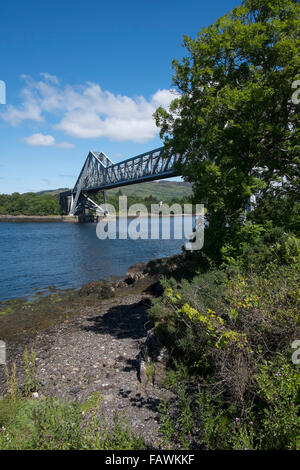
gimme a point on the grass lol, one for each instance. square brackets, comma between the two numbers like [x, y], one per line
[150, 372]
[50, 424]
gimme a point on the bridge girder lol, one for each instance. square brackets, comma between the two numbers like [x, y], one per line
[99, 173]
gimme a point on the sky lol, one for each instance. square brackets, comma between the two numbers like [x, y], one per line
[86, 75]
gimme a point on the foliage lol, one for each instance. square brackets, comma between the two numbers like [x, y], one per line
[277, 385]
[274, 211]
[150, 372]
[48, 424]
[233, 324]
[12, 382]
[48, 204]
[31, 383]
[230, 333]
[234, 117]
[229, 328]
[254, 247]
[29, 204]
[200, 419]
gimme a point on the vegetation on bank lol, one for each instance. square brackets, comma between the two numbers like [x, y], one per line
[28, 423]
[29, 204]
[230, 332]
[42, 204]
[49, 424]
[230, 327]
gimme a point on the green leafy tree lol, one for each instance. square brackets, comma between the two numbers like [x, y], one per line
[29, 204]
[234, 116]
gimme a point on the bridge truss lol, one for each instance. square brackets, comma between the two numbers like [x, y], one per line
[99, 174]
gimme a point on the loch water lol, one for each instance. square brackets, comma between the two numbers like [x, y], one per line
[34, 256]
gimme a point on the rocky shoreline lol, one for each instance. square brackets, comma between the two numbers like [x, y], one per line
[37, 218]
[81, 219]
[100, 341]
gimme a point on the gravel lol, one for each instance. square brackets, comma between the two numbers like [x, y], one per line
[97, 351]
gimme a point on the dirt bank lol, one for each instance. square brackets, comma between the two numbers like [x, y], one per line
[89, 341]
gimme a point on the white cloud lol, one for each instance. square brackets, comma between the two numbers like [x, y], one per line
[164, 97]
[65, 145]
[87, 111]
[28, 111]
[50, 78]
[41, 140]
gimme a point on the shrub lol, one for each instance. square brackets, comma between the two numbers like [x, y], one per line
[200, 418]
[232, 331]
[268, 249]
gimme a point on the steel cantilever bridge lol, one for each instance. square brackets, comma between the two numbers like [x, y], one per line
[99, 174]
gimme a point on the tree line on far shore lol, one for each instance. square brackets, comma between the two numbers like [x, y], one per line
[48, 204]
[29, 204]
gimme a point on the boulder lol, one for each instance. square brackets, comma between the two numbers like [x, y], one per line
[107, 291]
[153, 358]
[91, 288]
[120, 283]
[102, 289]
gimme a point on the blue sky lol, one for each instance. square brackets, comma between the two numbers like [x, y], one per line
[84, 75]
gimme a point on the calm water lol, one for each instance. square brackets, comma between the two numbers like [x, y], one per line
[66, 255]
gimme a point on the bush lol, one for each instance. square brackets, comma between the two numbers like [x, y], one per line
[232, 331]
[199, 418]
[256, 248]
[277, 387]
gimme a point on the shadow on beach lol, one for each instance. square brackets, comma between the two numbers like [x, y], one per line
[123, 321]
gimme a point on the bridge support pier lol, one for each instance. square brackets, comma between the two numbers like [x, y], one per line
[105, 203]
[65, 201]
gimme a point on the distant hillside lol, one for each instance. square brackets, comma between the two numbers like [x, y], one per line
[163, 190]
[52, 192]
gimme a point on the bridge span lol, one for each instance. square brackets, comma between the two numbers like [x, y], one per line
[99, 174]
